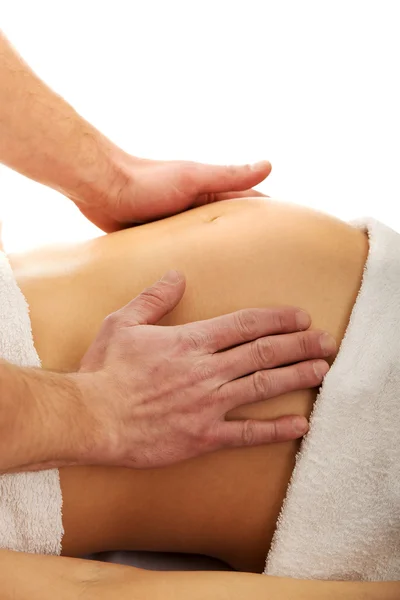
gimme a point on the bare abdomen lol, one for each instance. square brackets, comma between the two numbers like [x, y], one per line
[235, 254]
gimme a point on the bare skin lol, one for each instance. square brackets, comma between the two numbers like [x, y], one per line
[71, 291]
[235, 254]
[49, 577]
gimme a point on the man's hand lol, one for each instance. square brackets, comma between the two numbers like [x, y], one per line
[42, 137]
[141, 190]
[159, 395]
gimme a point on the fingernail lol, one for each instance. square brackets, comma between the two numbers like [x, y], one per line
[300, 425]
[327, 343]
[171, 276]
[260, 166]
[302, 319]
[320, 368]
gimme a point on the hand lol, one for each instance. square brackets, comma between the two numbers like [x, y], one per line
[159, 395]
[143, 190]
[43, 138]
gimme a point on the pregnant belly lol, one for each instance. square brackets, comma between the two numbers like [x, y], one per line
[235, 254]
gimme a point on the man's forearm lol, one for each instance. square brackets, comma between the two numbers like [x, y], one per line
[43, 419]
[43, 137]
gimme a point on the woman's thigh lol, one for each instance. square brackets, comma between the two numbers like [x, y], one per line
[235, 254]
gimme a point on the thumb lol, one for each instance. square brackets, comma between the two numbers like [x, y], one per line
[211, 179]
[157, 300]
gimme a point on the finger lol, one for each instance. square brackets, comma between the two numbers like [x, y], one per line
[154, 302]
[211, 179]
[249, 324]
[270, 383]
[220, 196]
[234, 434]
[231, 195]
[273, 351]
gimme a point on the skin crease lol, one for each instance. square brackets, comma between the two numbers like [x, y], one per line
[281, 255]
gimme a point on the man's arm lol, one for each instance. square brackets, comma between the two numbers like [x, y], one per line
[44, 138]
[42, 419]
[110, 411]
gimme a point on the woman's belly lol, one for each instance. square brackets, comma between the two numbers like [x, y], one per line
[236, 254]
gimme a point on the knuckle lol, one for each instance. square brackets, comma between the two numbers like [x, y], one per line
[193, 340]
[304, 344]
[220, 395]
[248, 433]
[153, 295]
[246, 323]
[273, 432]
[262, 383]
[117, 324]
[203, 371]
[211, 439]
[263, 352]
[279, 320]
[111, 321]
[209, 198]
[202, 438]
[304, 374]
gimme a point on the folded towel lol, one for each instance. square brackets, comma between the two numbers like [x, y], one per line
[341, 516]
[30, 503]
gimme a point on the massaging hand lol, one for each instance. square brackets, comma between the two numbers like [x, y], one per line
[145, 190]
[158, 395]
[44, 138]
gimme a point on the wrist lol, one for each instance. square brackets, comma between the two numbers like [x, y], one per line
[100, 176]
[69, 422]
[44, 138]
[57, 416]
[91, 421]
[43, 419]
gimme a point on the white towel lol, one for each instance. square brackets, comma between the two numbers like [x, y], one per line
[341, 516]
[30, 503]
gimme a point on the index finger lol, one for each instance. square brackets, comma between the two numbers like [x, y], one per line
[249, 324]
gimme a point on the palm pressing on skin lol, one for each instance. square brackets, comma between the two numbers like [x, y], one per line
[146, 190]
[44, 138]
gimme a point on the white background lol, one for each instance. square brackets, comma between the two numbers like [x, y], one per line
[310, 85]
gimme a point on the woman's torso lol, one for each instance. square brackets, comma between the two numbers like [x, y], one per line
[235, 254]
